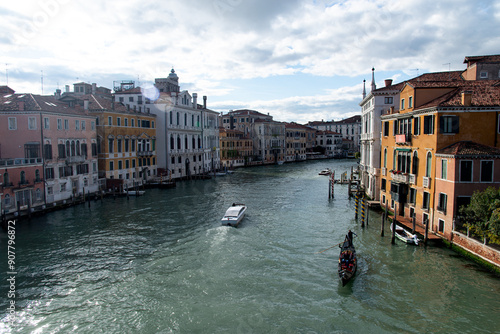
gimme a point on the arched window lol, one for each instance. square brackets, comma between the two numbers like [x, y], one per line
[171, 117]
[178, 118]
[172, 142]
[68, 149]
[194, 143]
[385, 157]
[78, 152]
[199, 142]
[428, 165]
[6, 201]
[23, 177]
[178, 142]
[186, 142]
[185, 119]
[414, 167]
[73, 148]
[37, 175]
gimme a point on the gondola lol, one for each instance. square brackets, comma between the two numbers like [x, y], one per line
[347, 261]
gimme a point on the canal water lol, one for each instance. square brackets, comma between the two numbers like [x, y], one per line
[162, 263]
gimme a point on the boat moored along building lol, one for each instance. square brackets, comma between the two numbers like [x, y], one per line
[441, 145]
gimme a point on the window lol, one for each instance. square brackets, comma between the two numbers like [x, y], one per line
[110, 120]
[444, 169]
[388, 100]
[402, 104]
[466, 171]
[414, 163]
[132, 122]
[426, 200]
[448, 124]
[483, 75]
[384, 185]
[110, 145]
[440, 226]
[125, 121]
[120, 164]
[413, 196]
[94, 149]
[47, 150]
[118, 121]
[442, 202]
[119, 145]
[487, 171]
[32, 150]
[131, 99]
[59, 124]
[49, 173]
[111, 165]
[385, 157]
[416, 126]
[386, 129]
[429, 124]
[428, 165]
[410, 102]
[46, 123]
[12, 123]
[66, 124]
[92, 125]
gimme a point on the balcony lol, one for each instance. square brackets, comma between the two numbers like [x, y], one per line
[20, 162]
[145, 153]
[77, 159]
[413, 179]
[403, 139]
[399, 177]
[384, 171]
[427, 182]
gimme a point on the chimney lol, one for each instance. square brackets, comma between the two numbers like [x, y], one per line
[112, 104]
[86, 104]
[467, 98]
[57, 94]
[204, 102]
[388, 82]
[195, 100]
[67, 88]
[21, 105]
[94, 88]
[391, 110]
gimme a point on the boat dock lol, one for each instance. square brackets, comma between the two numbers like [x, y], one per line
[418, 228]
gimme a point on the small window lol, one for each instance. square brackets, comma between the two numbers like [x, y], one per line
[448, 124]
[484, 75]
[32, 123]
[388, 100]
[110, 120]
[466, 171]
[410, 102]
[12, 123]
[487, 171]
[66, 124]
[416, 126]
[77, 125]
[413, 196]
[386, 128]
[429, 124]
[118, 121]
[443, 198]
[426, 200]
[441, 226]
[444, 169]
[402, 104]
[46, 123]
[59, 124]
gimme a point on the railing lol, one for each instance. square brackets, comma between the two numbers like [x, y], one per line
[403, 138]
[76, 159]
[20, 161]
[413, 179]
[427, 182]
[399, 177]
[384, 171]
[145, 153]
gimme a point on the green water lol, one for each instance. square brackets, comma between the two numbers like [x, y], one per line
[162, 263]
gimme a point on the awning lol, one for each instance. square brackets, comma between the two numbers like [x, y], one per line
[403, 149]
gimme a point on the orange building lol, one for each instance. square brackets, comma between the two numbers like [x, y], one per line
[437, 110]
[235, 148]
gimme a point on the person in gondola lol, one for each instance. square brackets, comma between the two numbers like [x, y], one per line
[350, 236]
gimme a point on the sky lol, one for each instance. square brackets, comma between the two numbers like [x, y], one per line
[298, 60]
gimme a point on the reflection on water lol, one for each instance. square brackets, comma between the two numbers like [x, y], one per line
[163, 263]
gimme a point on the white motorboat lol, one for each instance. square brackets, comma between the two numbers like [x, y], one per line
[405, 236]
[326, 171]
[234, 215]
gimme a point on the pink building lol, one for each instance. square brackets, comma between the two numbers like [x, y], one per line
[461, 169]
[48, 151]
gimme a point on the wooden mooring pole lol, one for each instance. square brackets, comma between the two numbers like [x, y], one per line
[356, 205]
[363, 212]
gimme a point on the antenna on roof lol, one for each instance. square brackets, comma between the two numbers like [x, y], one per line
[7, 73]
[42, 81]
[449, 66]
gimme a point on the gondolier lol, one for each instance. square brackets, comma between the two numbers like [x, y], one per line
[350, 236]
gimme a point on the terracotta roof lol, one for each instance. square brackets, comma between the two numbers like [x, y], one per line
[353, 119]
[469, 148]
[396, 87]
[245, 112]
[294, 125]
[6, 90]
[482, 59]
[31, 102]
[485, 93]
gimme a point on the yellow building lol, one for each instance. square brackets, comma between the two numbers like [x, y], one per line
[126, 143]
[436, 111]
[235, 148]
[296, 141]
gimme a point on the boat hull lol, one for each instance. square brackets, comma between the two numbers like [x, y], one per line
[405, 236]
[234, 215]
[348, 263]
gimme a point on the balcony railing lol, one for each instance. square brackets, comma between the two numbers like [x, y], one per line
[145, 153]
[401, 178]
[427, 182]
[384, 171]
[403, 139]
[75, 160]
[20, 161]
[413, 179]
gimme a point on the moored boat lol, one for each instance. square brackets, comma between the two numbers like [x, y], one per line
[234, 215]
[405, 236]
[347, 261]
[136, 192]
